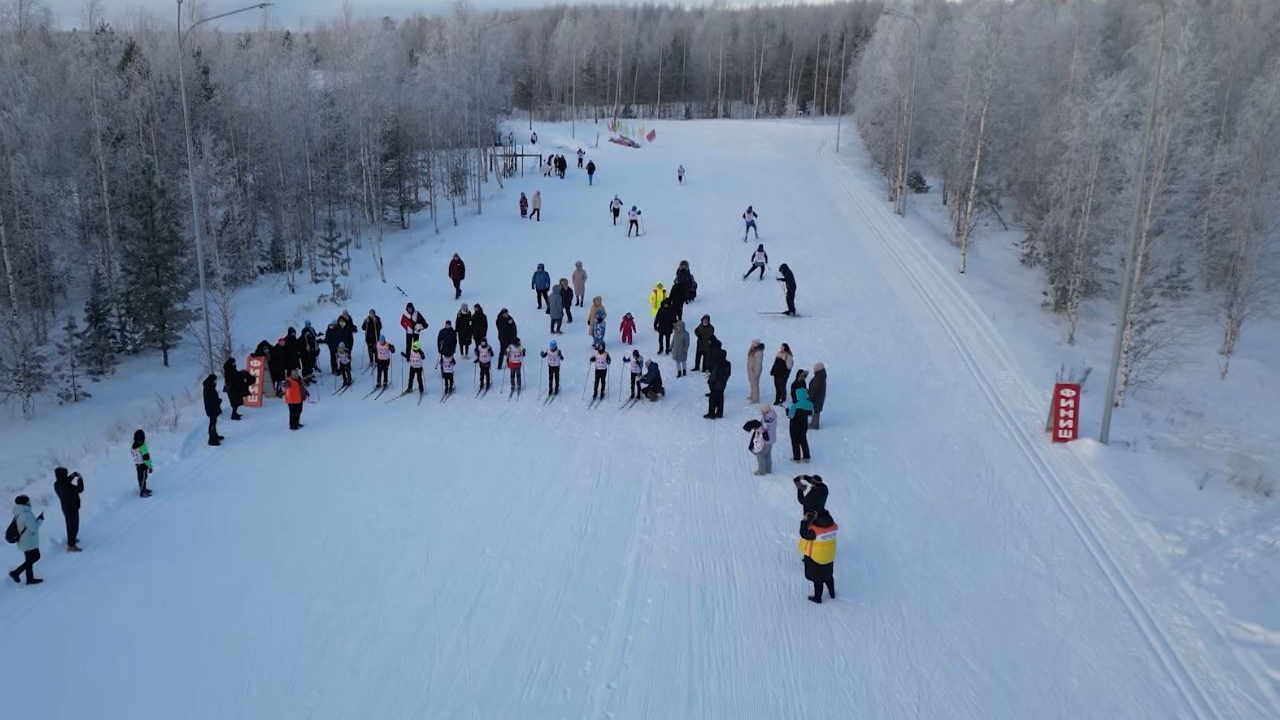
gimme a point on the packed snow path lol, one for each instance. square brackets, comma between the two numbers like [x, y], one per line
[489, 558]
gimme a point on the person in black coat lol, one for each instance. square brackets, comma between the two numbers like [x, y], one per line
[346, 330]
[332, 338]
[68, 486]
[462, 326]
[479, 324]
[506, 326]
[292, 352]
[278, 364]
[664, 323]
[717, 381]
[447, 339]
[235, 383]
[815, 498]
[372, 327]
[789, 280]
[212, 407]
[677, 296]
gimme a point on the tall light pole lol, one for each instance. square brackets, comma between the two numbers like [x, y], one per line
[900, 197]
[844, 62]
[1135, 231]
[191, 166]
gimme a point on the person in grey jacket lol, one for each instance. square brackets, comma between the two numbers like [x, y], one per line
[817, 393]
[555, 308]
[755, 366]
[28, 539]
[680, 348]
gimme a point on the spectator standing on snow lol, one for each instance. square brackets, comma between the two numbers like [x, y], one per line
[679, 349]
[633, 221]
[581, 154]
[142, 464]
[579, 282]
[595, 313]
[802, 377]
[28, 529]
[555, 310]
[533, 138]
[591, 172]
[372, 327]
[212, 408]
[540, 283]
[462, 324]
[236, 384]
[615, 208]
[749, 217]
[780, 371]
[537, 206]
[413, 323]
[295, 393]
[717, 381]
[704, 333]
[656, 296]
[664, 323]
[769, 419]
[457, 273]
[759, 260]
[506, 326]
[524, 206]
[755, 365]
[818, 547]
[566, 297]
[479, 324]
[447, 339]
[627, 329]
[799, 412]
[68, 487]
[815, 498]
[759, 446]
[817, 393]
[789, 280]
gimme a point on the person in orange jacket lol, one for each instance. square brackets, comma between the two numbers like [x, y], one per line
[295, 393]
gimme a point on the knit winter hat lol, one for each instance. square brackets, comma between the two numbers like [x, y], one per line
[382, 338]
[417, 345]
[22, 500]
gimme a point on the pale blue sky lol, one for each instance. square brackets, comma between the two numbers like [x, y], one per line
[291, 13]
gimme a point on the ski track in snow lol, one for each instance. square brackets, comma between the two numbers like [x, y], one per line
[500, 558]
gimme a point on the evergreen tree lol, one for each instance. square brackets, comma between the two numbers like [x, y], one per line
[22, 374]
[97, 347]
[69, 348]
[333, 258]
[156, 268]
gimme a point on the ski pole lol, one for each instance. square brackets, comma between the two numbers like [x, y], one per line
[540, 376]
[588, 382]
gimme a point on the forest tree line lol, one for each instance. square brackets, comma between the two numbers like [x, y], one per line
[1090, 123]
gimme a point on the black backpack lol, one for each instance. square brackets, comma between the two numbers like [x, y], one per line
[11, 533]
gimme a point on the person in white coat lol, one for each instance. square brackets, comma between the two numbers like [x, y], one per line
[28, 527]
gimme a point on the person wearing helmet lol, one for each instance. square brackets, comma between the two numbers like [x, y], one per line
[554, 359]
[416, 358]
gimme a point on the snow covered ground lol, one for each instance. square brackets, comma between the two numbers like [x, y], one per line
[501, 558]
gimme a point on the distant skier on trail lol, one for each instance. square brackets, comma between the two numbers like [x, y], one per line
[142, 464]
[554, 358]
[615, 208]
[789, 280]
[759, 261]
[680, 175]
[633, 221]
[446, 365]
[749, 217]
[344, 366]
[383, 351]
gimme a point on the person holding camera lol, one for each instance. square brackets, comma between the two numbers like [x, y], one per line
[818, 547]
[28, 529]
[68, 486]
[815, 498]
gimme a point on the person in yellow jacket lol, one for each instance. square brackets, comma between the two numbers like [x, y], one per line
[655, 299]
[818, 546]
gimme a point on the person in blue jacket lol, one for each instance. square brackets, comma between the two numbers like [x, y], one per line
[28, 539]
[541, 284]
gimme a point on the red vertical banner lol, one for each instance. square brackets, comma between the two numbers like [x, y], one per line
[257, 367]
[1064, 420]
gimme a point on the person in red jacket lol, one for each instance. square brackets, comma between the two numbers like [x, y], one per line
[457, 271]
[627, 328]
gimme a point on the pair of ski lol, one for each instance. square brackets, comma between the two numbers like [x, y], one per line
[550, 398]
[375, 393]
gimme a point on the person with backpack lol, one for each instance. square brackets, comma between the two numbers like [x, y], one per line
[759, 446]
[24, 531]
[591, 172]
[68, 486]
[457, 273]
[759, 260]
[750, 218]
[554, 359]
[142, 464]
[212, 408]
[817, 545]
[236, 384]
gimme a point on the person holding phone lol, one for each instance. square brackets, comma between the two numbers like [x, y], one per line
[68, 486]
[28, 539]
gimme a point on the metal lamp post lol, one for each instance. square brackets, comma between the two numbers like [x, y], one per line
[900, 199]
[191, 166]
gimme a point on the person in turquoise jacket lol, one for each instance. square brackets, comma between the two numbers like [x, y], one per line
[28, 539]
[799, 413]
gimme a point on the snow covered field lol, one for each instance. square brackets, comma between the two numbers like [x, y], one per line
[495, 558]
